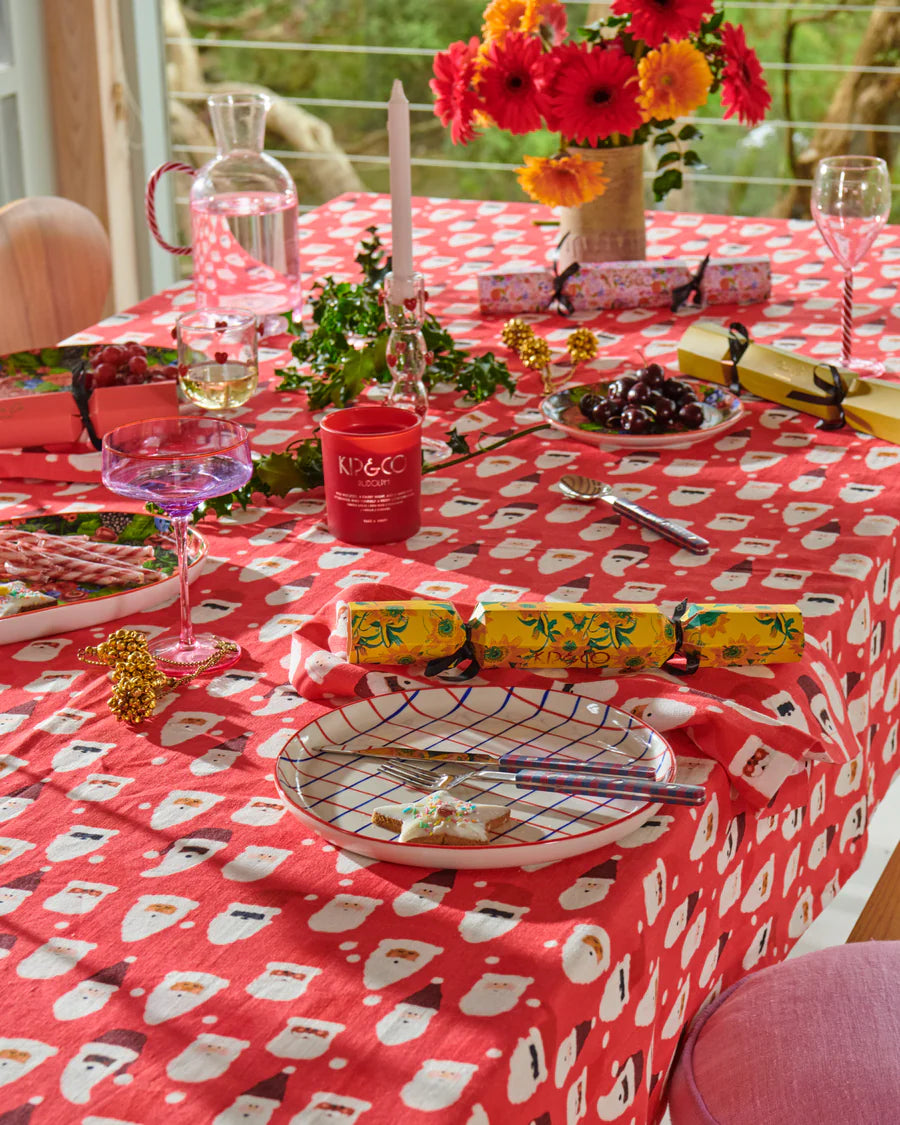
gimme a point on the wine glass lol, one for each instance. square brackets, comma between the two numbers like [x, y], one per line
[850, 202]
[176, 463]
[217, 357]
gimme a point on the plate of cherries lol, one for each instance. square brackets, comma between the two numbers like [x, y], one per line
[646, 408]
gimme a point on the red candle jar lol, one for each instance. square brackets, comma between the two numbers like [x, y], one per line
[372, 461]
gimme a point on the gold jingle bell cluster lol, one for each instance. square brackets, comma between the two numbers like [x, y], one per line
[582, 345]
[137, 679]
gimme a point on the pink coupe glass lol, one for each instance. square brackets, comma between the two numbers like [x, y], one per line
[850, 202]
[176, 463]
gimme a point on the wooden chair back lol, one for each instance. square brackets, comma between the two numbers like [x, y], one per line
[55, 271]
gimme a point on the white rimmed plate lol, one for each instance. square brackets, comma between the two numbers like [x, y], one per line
[335, 795]
[83, 604]
[721, 409]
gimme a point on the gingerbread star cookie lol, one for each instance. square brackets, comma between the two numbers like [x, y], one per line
[440, 818]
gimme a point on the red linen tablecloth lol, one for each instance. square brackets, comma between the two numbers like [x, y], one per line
[179, 949]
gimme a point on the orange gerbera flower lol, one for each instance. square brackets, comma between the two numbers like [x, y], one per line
[501, 17]
[674, 80]
[562, 180]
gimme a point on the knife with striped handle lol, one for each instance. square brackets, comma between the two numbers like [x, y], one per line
[628, 788]
[507, 761]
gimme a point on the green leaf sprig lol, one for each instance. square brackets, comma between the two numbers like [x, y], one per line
[334, 369]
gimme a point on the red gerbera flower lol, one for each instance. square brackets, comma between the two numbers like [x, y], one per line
[510, 82]
[455, 101]
[592, 92]
[654, 21]
[744, 90]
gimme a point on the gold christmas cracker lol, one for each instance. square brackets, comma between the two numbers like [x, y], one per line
[402, 632]
[619, 637]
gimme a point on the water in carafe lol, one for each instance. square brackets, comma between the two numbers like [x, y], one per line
[244, 217]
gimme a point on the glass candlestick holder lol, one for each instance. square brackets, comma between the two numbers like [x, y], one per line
[407, 355]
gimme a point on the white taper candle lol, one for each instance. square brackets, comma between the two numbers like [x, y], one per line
[401, 190]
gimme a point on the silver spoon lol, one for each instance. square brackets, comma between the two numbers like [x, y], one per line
[585, 488]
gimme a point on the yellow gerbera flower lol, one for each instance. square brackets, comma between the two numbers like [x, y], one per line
[501, 17]
[562, 181]
[674, 79]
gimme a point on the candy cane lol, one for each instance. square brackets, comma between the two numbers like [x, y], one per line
[847, 320]
[150, 203]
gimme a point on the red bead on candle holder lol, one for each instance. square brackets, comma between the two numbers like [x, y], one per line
[372, 461]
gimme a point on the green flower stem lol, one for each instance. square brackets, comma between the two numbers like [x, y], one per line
[484, 448]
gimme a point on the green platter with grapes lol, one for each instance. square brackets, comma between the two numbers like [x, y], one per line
[720, 409]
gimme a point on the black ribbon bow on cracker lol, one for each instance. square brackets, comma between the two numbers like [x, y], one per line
[691, 662]
[834, 396]
[464, 653]
[560, 296]
[738, 342]
[691, 288]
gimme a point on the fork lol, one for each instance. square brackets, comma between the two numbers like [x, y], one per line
[636, 788]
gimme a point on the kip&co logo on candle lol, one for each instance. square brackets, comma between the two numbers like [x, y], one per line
[386, 466]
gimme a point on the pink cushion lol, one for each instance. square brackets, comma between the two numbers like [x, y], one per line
[813, 1041]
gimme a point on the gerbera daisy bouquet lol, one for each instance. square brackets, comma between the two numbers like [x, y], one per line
[621, 81]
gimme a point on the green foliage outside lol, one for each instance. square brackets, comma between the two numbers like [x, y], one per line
[728, 150]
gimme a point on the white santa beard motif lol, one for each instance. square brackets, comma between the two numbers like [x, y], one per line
[179, 993]
[344, 912]
[150, 915]
[585, 954]
[584, 892]
[81, 1075]
[78, 898]
[11, 898]
[183, 855]
[79, 756]
[12, 806]
[411, 902]
[527, 1068]
[394, 960]
[260, 812]
[478, 925]
[612, 1105]
[181, 806]
[83, 1000]
[54, 958]
[13, 1065]
[437, 1085]
[304, 1039]
[330, 1109]
[282, 980]
[80, 840]
[403, 1023]
[214, 761]
[254, 863]
[247, 1110]
[239, 922]
[98, 788]
[209, 1056]
[493, 994]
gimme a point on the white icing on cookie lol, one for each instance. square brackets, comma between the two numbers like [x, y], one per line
[440, 813]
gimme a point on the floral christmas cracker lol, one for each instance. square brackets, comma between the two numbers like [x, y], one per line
[402, 632]
[791, 379]
[739, 281]
[626, 637]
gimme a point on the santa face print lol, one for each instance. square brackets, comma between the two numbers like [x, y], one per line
[78, 897]
[490, 919]
[396, 959]
[615, 991]
[344, 912]
[418, 899]
[428, 537]
[79, 755]
[239, 922]
[65, 721]
[613, 1104]
[215, 760]
[184, 725]
[9, 763]
[618, 560]
[341, 556]
[707, 826]
[11, 848]
[588, 889]
[54, 958]
[153, 913]
[180, 806]
[99, 787]
[282, 698]
[180, 992]
[42, 651]
[282, 980]
[209, 1056]
[184, 854]
[330, 1109]
[254, 862]
[87, 997]
[527, 1068]
[585, 954]
[685, 496]
[512, 548]
[19, 1056]
[655, 891]
[234, 680]
[94, 1062]
[493, 994]
[304, 1038]
[80, 839]
[49, 681]
[260, 812]
[403, 1023]
[558, 558]
[212, 610]
[439, 1083]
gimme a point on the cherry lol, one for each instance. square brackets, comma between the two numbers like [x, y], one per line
[640, 394]
[635, 421]
[587, 403]
[691, 415]
[654, 375]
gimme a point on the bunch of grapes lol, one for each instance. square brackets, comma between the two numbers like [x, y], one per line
[122, 365]
[647, 402]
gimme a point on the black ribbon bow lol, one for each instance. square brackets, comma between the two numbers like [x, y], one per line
[738, 342]
[692, 286]
[691, 663]
[560, 296]
[82, 396]
[834, 396]
[464, 653]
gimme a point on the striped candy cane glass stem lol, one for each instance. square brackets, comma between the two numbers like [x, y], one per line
[847, 320]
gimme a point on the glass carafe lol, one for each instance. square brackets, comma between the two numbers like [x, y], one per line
[243, 216]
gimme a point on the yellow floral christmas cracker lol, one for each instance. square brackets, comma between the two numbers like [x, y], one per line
[402, 632]
[602, 637]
